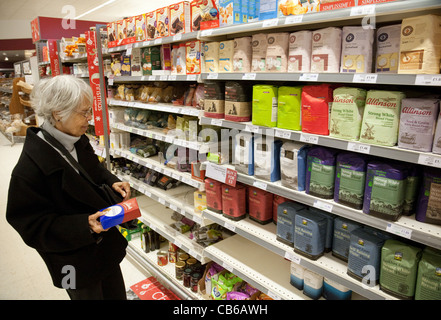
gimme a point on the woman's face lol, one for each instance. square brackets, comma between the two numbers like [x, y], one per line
[77, 123]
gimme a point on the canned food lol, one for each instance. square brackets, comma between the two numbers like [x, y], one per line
[172, 257]
[172, 247]
[162, 258]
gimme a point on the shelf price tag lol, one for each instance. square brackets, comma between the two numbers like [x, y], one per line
[229, 226]
[428, 79]
[249, 76]
[252, 128]
[363, 10]
[212, 75]
[428, 160]
[322, 205]
[292, 257]
[260, 185]
[357, 147]
[283, 134]
[308, 138]
[398, 230]
[294, 19]
[270, 23]
[308, 77]
[177, 37]
[365, 78]
[222, 174]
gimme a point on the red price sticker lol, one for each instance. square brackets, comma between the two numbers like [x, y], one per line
[231, 177]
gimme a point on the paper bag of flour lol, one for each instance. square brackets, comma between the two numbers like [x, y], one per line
[326, 50]
[277, 52]
[242, 54]
[356, 55]
[259, 43]
[388, 49]
[299, 52]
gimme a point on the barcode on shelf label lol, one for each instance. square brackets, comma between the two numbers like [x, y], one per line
[252, 128]
[294, 19]
[270, 23]
[308, 77]
[365, 78]
[292, 257]
[322, 205]
[398, 230]
[428, 160]
[424, 79]
[357, 147]
[249, 76]
[282, 134]
[308, 138]
[260, 185]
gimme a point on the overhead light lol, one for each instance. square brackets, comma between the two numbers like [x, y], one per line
[94, 9]
[6, 58]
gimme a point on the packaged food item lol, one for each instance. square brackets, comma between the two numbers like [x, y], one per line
[150, 59]
[125, 65]
[162, 22]
[140, 27]
[259, 45]
[130, 30]
[299, 51]
[350, 179]
[135, 62]
[428, 283]
[211, 56]
[326, 50]
[242, 54]
[316, 108]
[180, 17]
[277, 200]
[195, 15]
[357, 45]
[289, 108]
[429, 204]
[229, 12]
[417, 123]
[385, 189]
[309, 234]
[347, 113]
[265, 105]
[260, 205]
[112, 39]
[214, 100]
[244, 153]
[193, 57]
[150, 25]
[381, 117]
[296, 278]
[234, 201]
[342, 237]
[213, 190]
[181, 60]
[292, 7]
[277, 52]
[237, 101]
[267, 158]
[121, 32]
[286, 213]
[399, 265]
[166, 56]
[120, 213]
[226, 53]
[267, 9]
[420, 47]
[209, 14]
[312, 284]
[335, 291]
[388, 49]
[200, 201]
[321, 172]
[413, 185]
[293, 157]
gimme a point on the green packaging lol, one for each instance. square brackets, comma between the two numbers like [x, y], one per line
[428, 286]
[150, 60]
[289, 108]
[264, 105]
[399, 265]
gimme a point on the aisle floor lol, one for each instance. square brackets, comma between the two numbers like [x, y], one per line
[24, 275]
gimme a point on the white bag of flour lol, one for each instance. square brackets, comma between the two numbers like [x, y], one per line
[299, 52]
[356, 52]
[259, 43]
[326, 50]
[242, 54]
[388, 49]
[277, 52]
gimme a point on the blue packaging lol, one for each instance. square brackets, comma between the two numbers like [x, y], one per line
[342, 237]
[244, 153]
[286, 213]
[312, 284]
[296, 277]
[335, 291]
[267, 158]
[236, 16]
[268, 9]
[365, 253]
[329, 226]
[293, 165]
[244, 10]
[309, 234]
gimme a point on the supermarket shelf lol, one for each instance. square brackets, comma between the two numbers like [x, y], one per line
[156, 42]
[179, 199]
[359, 78]
[173, 77]
[158, 218]
[165, 274]
[423, 158]
[164, 107]
[79, 58]
[327, 265]
[384, 12]
[5, 90]
[153, 163]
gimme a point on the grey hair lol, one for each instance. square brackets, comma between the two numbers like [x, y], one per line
[62, 94]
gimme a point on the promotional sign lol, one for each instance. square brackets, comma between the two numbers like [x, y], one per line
[152, 289]
[222, 174]
[54, 58]
[35, 30]
[99, 98]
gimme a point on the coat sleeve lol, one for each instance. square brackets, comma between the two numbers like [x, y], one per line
[32, 214]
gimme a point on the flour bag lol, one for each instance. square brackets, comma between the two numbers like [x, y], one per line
[316, 108]
[356, 52]
[299, 51]
[289, 108]
[388, 49]
[265, 105]
[429, 200]
[321, 172]
[259, 45]
[326, 50]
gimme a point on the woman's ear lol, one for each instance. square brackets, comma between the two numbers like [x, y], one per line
[56, 116]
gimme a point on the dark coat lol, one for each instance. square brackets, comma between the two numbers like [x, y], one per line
[49, 204]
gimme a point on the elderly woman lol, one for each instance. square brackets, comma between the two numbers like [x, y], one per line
[51, 204]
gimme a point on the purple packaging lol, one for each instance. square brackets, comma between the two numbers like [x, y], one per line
[429, 201]
[385, 190]
[320, 174]
[350, 177]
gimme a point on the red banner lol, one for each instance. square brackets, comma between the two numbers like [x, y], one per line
[152, 289]
[99, 98]
[53, 56]
[35, 29]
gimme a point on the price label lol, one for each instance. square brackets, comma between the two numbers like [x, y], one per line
[308, 77]
[191, 77]
[177, 37]
[292, 257]
[428, 79]
[129, 49]
[157, 41]
[252, 128]
[146, 43]
[221, 173]
[283, 134]
[197, 219]
[152, 78]
[172, 77]
[249, 76]
[322, 205]
[230, 226]
[173, 207]
[111, 81]
[427, 160]
[363, 10]
[365, 78]
[260, 185]
[270, 23]
[227, 266]
[212, 76]
[163, 78]
[308, 138]
[206, 33]
[398, 230]
[357, 147]
[294, 19]
[273, 295]
[231, 177]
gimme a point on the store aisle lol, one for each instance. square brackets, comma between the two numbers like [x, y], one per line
[23, 274]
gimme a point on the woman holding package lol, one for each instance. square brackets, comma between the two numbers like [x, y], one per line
[54, 207]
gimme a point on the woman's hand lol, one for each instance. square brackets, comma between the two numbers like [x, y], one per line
[94, 224]
[122, 188]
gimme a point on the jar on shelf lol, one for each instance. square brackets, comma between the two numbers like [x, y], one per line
[187, 277]
[162, 258]
[191, 263]
[179, 270]
[195, 277]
